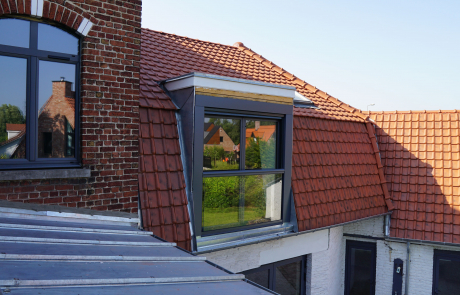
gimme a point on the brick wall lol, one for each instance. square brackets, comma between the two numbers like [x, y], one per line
[327, 267]
[109, 109]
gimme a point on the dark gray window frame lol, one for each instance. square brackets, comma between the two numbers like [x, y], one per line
[359, 245]
[245, 108]
[34, 56]
[272, 277]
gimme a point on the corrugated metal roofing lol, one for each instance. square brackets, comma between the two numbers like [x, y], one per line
[61, 255]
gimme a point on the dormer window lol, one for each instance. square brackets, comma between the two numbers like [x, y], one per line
[39, 95]
[237, 149]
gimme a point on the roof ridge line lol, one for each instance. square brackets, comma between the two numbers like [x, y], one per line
[299, 81]
[416, 112]
[161, 32]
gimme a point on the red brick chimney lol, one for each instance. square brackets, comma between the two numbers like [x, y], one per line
[63, 88]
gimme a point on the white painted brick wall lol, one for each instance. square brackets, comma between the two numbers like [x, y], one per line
[252, 256]
[327, 266]
[370, 227]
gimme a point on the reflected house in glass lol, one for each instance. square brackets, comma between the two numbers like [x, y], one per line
[216, 135]
[56, 122]
[56, 125]
[14, 147]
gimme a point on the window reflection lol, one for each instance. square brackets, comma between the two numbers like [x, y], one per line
[221, 144]
[235, 201]
[260, 144]
[53, 39]
[14, 32]
[13, 78]
[288, 280]
[56, 115]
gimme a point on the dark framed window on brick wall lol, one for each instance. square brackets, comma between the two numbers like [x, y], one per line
[242, 165]
[39, 95]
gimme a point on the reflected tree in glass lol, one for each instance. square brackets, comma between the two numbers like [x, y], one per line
[13, 78]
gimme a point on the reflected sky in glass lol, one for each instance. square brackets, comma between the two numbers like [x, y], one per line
[14, 32]
[53, 71]
[54, 39]
[13, 78]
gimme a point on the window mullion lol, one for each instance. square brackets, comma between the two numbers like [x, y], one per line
[33, 44]
[32, 110]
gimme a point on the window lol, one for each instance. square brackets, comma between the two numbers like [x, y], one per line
[446, 271]
[285, 277]
[40, 95]
[360, 268]
[242, 185]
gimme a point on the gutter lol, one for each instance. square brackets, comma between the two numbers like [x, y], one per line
[421, 242]
[406, 286]
[294, 234]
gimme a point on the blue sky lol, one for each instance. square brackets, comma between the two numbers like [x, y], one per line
[399, 55]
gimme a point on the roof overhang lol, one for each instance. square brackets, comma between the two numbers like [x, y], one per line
[213, 85]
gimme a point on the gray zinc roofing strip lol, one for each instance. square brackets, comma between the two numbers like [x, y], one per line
[204, 288]
[44, 234]
[86, 249]
[40, 261]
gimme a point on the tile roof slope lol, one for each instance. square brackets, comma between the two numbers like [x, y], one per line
[166, 56]
[161, 178]
[335, 173]
[420, 153]
[15, 127]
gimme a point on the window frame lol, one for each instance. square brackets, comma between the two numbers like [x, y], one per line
[33, 55]
[271, 267]
[363, 246]
[209, 105]
[440, 254]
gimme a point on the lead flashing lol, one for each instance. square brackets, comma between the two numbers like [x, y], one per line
[228, 83]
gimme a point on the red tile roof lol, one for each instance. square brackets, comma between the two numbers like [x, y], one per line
[346, 173]
[15, 127]
[421, 155]
[161, 178]
[335, 175]
[166, 56]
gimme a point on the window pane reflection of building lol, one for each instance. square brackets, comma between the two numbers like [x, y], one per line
[13, 77]
[56, 115]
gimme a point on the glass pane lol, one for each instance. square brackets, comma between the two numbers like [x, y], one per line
[259, 277]
[54, 39]
[13, 85]
[361, 272]
[449, 272]
[56, 115]
[14, 32]
[241, 200]
[221, 143]
[288, 278]
[260, 144]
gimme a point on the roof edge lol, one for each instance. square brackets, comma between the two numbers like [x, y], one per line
[414, 112]
[300, 82]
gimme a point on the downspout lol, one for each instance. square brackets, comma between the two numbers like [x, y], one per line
[406, 287]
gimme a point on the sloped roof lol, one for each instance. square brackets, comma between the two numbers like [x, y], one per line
[15, 127]
[68, 253]
[166, 56]
[264, 132]
[161, 177]
[335, 173]
[421, 155]
[358, 183]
